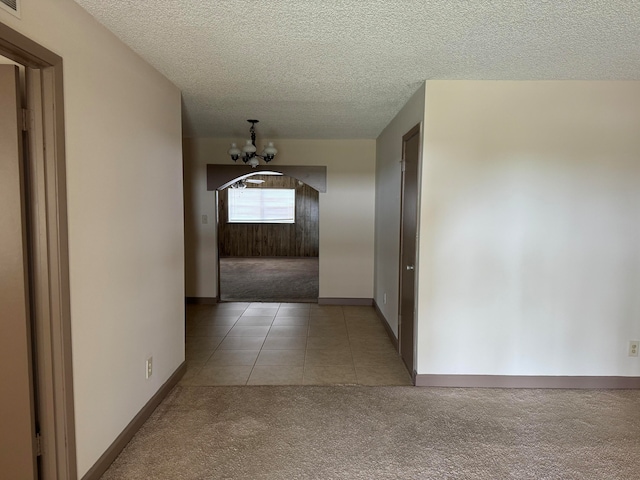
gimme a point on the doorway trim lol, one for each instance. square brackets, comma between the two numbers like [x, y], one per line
[413, 132]
[48, 223]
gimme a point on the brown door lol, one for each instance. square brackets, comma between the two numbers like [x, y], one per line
[408, 230]
[17, 438]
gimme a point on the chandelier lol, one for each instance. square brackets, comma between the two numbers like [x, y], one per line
[248, 152]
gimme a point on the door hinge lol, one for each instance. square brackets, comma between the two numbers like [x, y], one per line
[38, 445]
[25, 120]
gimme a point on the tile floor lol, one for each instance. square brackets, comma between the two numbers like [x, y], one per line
[289, 344]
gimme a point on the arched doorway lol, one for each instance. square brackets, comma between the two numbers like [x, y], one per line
[268, 240]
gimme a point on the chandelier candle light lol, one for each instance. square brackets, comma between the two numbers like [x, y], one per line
[248, 152]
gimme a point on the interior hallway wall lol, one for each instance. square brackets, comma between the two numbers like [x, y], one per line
[125, 204]
[530, 228]
[388, 195]
[346, 211]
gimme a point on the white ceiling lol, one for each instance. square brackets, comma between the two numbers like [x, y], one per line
[344, 68]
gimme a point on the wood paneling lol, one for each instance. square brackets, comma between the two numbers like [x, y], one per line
[299, 239]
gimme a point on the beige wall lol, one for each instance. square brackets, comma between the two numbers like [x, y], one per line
[124, 180]
[530, 228]
[346, 212]
[388, 189]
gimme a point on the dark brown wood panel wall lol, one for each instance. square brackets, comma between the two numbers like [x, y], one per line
[298, 239]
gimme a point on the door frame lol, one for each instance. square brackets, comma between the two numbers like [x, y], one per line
[48, 225]
[415, 130]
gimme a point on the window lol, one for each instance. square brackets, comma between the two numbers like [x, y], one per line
[261, 205]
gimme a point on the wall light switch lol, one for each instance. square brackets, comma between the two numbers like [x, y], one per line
[205, 219]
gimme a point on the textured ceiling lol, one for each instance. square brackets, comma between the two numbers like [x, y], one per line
[344, 68]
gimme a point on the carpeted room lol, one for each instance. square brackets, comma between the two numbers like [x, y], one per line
[350, 432]
[530, 241]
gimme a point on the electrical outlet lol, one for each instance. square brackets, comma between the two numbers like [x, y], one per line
[633, 348]
[149, 370]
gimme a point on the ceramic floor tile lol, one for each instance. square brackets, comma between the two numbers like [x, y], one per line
[221, 375]
[293, 358]
[366, 331]
[326, 322]
[327, 330]
[275, 375]
[209, 330]
[255, 321]
[233, 357]
[369, 342]
[315, 343]
[358, 311]
[290, 321]
[198, 356]
[366, 322]
[383, 375]
[227, 309]
[335, 315]
[316, 309]
[285, 343]
[288, 311]
[275, 305]
[330, 375]
[260, 312]
[198, 342]
[241, 343]
[225, 313]
[190, 374]
[374, 358]
[223, 320]
[242, 331]
[200, 314]
[328, 357]
[380, 349]
[194, 307]
[288, 331]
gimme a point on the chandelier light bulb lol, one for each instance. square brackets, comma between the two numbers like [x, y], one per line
[270, 150]
[249, 147]
[234, 151]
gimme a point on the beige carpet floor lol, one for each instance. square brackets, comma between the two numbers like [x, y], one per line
[310, 432]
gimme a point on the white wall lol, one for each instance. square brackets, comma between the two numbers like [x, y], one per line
[346, 211]
[530, 228]
[124, 180]
[388, 190]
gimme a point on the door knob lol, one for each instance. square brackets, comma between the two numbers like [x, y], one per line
[411, 267]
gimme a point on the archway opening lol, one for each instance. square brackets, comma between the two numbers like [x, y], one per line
[268, 239]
